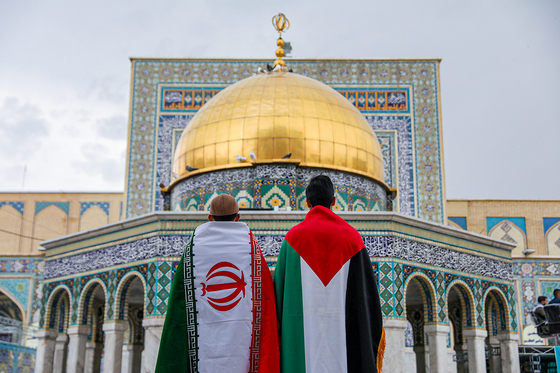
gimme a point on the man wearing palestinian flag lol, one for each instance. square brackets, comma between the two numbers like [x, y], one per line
[220, 315]
[326, 296]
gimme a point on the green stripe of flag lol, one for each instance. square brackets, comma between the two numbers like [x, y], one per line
[287, 279]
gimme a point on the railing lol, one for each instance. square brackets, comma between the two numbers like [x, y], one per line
[461, 357]
[17, 329]
[15, 358]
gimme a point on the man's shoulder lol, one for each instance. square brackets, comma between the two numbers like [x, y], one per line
[327, 229]
[212, 226]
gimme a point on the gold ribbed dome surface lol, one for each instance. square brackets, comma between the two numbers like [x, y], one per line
[275, 114]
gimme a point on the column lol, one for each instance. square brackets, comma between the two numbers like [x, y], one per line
[475, 349]
[132, 358]
[437, 340]
[77, 348]
[59, 360]
[395, 359]
[152, 335]
[112, 351]
[45, 351]
[494, 361]
[509, 346]
[127, 355]
[93, 357]
[420, 352]
[89, 358]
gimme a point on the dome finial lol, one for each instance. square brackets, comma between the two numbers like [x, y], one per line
[280, 23]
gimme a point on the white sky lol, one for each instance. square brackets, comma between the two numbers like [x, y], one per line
[65, 78]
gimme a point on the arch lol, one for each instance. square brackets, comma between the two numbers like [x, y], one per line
[86, 298]
[18, 304]
[52, 302]
[51, 222]
[467, 302]
[11, 222]
[93, 217]
[428, 294]
[454, 225]
[134, 333]
[494, 297]
[122, 293]
[508, 231]
[552, 238]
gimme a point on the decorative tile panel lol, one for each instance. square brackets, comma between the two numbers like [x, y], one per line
[152, 288]
[110, 312]
[18, 288]
[164, 279]
[84, 206]
[118, 254]
[64, 206]
[17, 205]
[76, 290]
[387, 246]
[460, 221]
[284, 184]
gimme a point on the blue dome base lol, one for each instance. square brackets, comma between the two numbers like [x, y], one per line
[276, 186]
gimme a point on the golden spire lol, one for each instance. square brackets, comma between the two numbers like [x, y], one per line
[280, 23]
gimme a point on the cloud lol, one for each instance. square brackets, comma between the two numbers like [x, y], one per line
[108, 88]
[98, 163]
[22, 126]
[113, 128]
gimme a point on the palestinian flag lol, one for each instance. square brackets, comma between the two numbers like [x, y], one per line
[220, 315]
[327, 300]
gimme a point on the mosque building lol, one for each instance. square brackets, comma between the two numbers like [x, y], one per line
[456, 278]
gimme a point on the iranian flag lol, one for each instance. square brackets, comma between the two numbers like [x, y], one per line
[327, 300]
[221, 314]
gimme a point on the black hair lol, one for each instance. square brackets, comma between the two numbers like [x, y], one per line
[225, 217]
[556, 292]
[320, 191]
[541, 299]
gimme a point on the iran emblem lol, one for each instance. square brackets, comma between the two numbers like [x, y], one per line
[229, 281]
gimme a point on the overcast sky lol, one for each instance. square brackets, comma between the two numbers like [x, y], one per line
[65, 78]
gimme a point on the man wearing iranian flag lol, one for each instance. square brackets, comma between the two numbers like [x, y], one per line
[326, 296]
[220, 314]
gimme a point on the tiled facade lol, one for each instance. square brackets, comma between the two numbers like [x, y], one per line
[26, 219]
[399, 98]
[400, 252]
[534, 227]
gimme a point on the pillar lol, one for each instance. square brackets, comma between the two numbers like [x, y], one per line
[59, 360]
[77, 348]
[437, 339]
[152, 335]
[45, 351]
[494, 361]
[509, 347]
[395, 359]
[475, 349]
[132, 358]
[112, 351]
[460, 350]
[93, 357]
[89, 358]
[420, 352]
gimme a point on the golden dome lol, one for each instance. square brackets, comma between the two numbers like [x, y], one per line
[275, 114]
